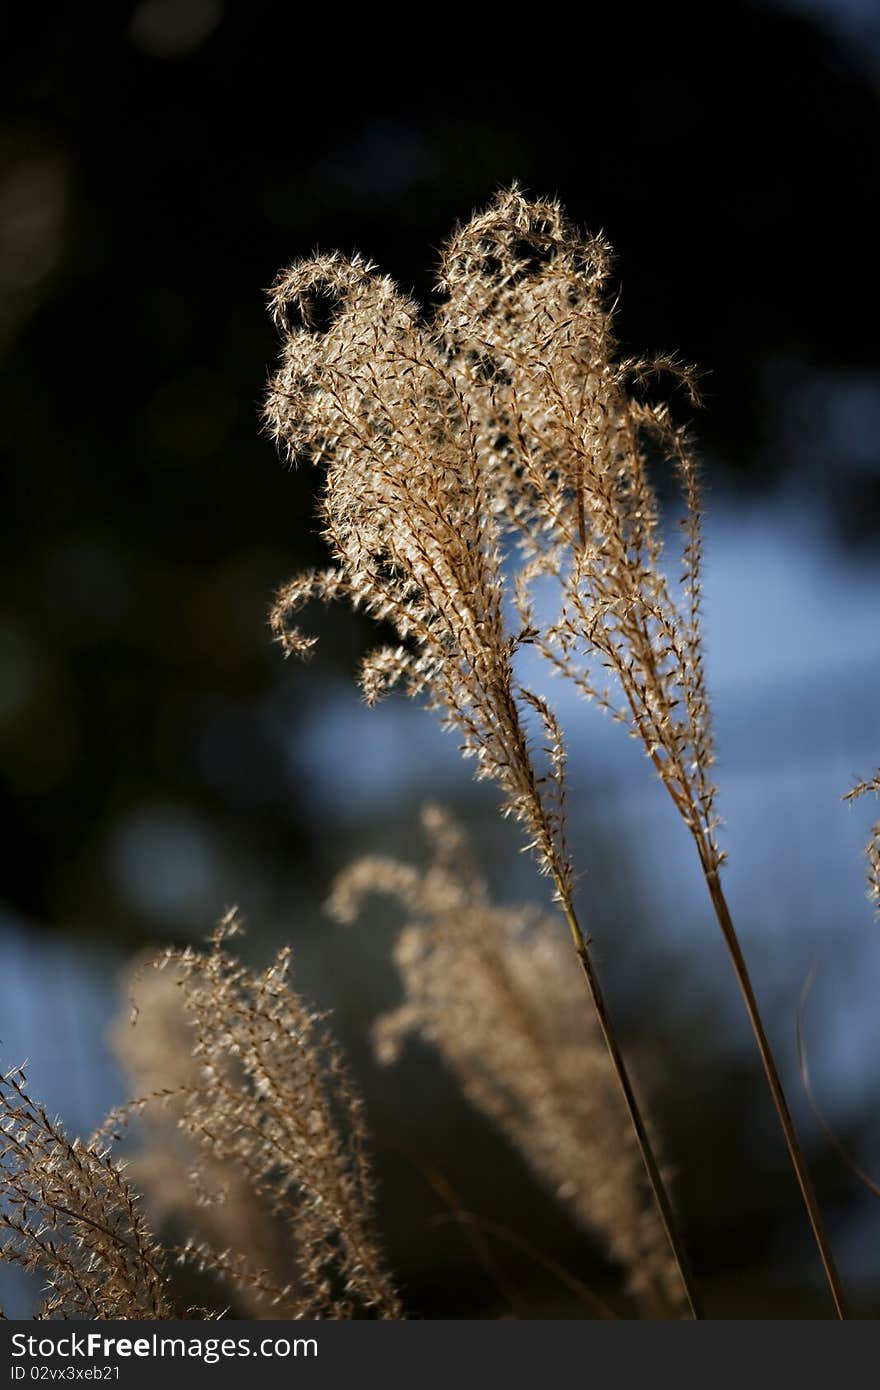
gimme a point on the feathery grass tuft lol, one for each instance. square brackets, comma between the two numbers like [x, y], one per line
[269, 1118]
[69, 1215]
[440, 448]
[470, 455]
[254, 1137]
[490, 988]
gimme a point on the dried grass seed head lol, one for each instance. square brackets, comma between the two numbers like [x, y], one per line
[501, 441]
[492, 990]
[270, 1105]
[70, 1215]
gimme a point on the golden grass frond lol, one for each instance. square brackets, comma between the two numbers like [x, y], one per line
[257, 1115]
[69, 1214]
[254, 1140]
[467, 455]
[501, 445]
[208, 1198]
[500, 442]
[490, 987]
[372, 394]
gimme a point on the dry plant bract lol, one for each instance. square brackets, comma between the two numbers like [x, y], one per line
[490, 987]
[480, 454]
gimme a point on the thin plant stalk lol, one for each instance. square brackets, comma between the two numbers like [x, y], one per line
[563, 881]
[563, 878]
[709, 861]
[771, 1072]
[731, 940]
[655, 1177]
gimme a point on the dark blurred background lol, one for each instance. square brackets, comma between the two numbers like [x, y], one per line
[159, 162]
